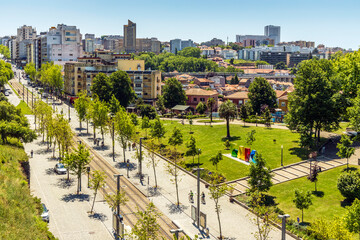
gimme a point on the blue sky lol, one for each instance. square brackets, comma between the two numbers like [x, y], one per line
[334, 23]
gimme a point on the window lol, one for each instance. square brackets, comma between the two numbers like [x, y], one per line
[70, 54]
[283, 104]
[202, 99]
[138, 85]
[195, 99]
[59, 54]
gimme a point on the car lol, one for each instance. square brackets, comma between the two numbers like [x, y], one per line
[60, 168]
[44, 95]
[6, 93]
[45, 213]
[351, 133]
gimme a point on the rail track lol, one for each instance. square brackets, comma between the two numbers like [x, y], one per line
[137, 201]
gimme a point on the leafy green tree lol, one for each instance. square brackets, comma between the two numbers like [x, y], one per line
[190, 52]
[280, 65]
[345, 149]
[5, 51]
[56, 79]
[79, 160]
[192, 149]
[333, 229]
[100, 115]
[148, 111]
[348, 184]
[97, 181]
[146, 226]
[201, 108]
[114, 105]
[302, 201]
[160, 104]
[262, 218]
[267, 117]
[260, 175]
[316, 103]
[152, 147]
[124, 128]
[157, 130]
[30, 70]
[216, 159]
[101, 87]
[173, 93]
[121, 87]
[176, 139]
[217, 191]
[210, 105]
[134, 119]
[228, 111]
[261, 93]
[145, 124]
[354, 112]
[243, 112]
[117, 199]
[352, 217]
[81, 105]
[235, 80]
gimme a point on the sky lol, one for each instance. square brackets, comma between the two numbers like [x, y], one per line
[330, 22]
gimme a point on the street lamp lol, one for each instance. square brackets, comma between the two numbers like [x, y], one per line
[113, 136]
[198, 196]
[88, 172]
[176, 232]
[69, 110]
[283, 225]
[282, 148]
[199, 152]
[140, 159]
[118, 191]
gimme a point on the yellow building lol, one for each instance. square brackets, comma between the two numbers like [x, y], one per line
[130, 65]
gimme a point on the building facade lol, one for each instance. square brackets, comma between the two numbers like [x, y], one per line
[130, 37]
[272, 32]
[178, 44]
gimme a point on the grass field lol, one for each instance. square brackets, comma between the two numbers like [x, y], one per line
[327, 202]
[343, 126]
[24, 108]
[210, 139]
[208, 121]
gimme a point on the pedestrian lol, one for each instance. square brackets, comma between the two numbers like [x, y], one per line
[32, 153]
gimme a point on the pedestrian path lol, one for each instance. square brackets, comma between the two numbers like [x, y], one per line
[288, 173]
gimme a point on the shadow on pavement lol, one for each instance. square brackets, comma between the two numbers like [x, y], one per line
[132, 166]
[53, 159]
[98, 216]
[64, 183]
[173, 208]
[50, 171]
[153, 192]
[110, 155]
[71, 197]
[43, 151]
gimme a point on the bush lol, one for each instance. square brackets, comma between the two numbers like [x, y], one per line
[349, 185]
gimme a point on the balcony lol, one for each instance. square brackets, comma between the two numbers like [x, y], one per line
[139, 81]
[138, 89]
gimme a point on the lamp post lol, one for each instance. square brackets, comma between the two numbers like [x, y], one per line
[128, 167]
[283, 225]
[69, 110]
[282, 148]
[198, 196]
[88, 172]
[176, 232]
[118, 203]
[113, 136]
[199, 152]
[23, 91]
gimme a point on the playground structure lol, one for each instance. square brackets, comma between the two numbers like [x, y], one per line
[245, 154]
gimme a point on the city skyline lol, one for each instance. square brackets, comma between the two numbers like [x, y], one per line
[200, 21]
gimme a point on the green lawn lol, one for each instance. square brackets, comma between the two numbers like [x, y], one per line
[208, 121]
[326, 204]
[343, 126]
[24, 108]
[210, 139]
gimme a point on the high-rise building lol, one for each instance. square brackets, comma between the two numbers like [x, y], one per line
[272, 32]
[90, 36]
[25, 33]
[130, 37]
[178, 44]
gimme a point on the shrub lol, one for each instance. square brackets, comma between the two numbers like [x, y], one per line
[349, 185]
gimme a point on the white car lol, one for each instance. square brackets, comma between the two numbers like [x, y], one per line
[6, 93]
[60, 168]
[45, 214]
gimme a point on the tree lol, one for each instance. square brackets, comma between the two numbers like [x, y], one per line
[30, 70]
[99, 115]
[190, 52]
[114, 105]
[210, 105]
[313, 177]
[260, 175]
[173, 93]
[56, 78]
[151, 152]
[228, 111]
[157, 130]
[176, 139]
[146, 226]
[145, 124]
[134, 119]
[280, 65]
[227, 144]
[234, 80]
[190, 118]
[267, 117]
[345, 149]
[217, 192]
[201, 108]
[97, 181]
[124, 128]
[333, 229]
[80, 158]
[216, 159]
[101, 87]
[352, 217]
[81, 105]
[148, 111]
[348, 184]
[243, 111]
[160, 104]
[262, 218]
[316, 103]
[302, 201]
[261, 93]
[121, 87]
[117, 199]
[192, 149]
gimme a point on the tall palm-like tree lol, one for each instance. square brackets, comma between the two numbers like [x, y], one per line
[228, 111]
[210, 104]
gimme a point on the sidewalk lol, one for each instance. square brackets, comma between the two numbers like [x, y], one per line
[232, 216]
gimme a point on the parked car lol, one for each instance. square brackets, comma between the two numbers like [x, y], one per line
[60, 168]
[6, 93]
[44, 95]
[351, 133]
[45, 214]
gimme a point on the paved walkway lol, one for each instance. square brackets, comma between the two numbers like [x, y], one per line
[232, 215]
